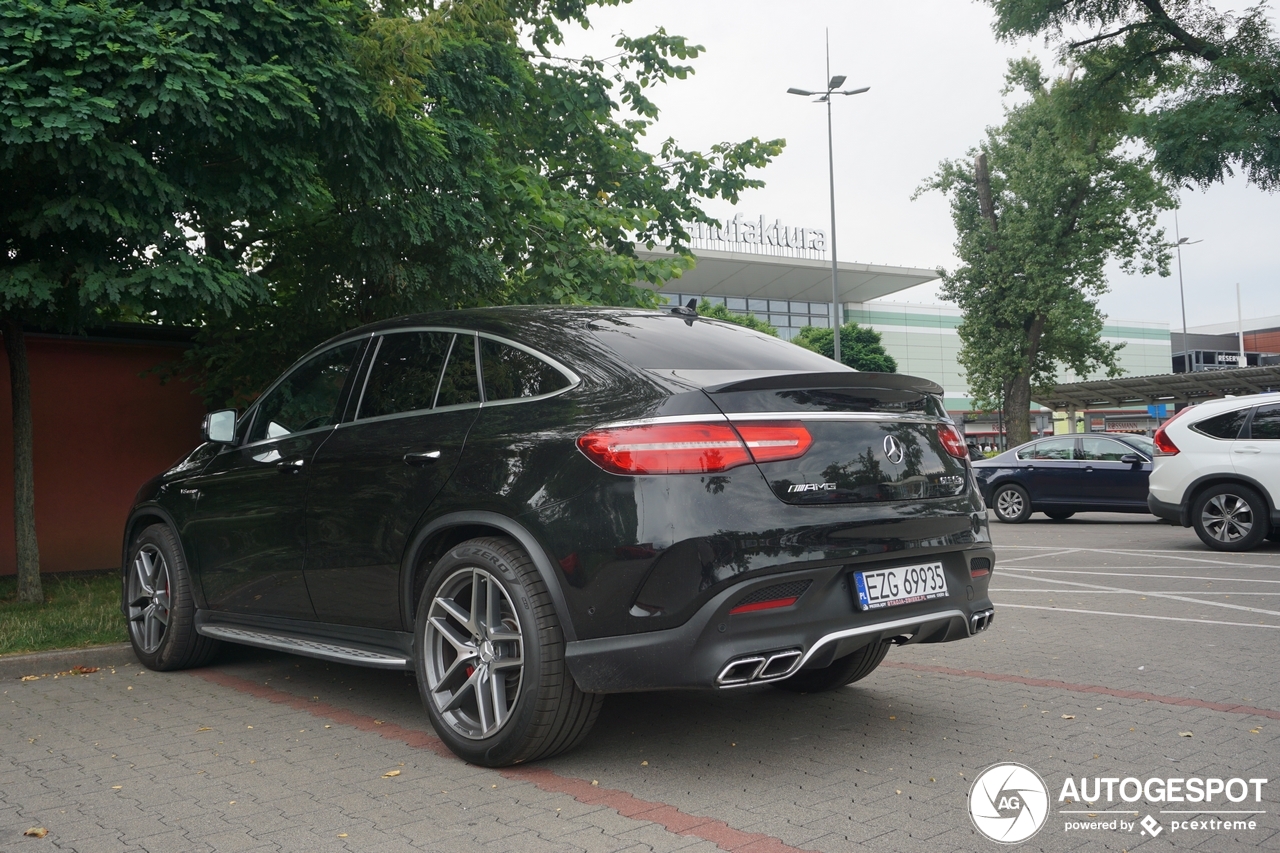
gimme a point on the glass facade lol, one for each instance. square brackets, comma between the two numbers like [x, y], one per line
[788, 317]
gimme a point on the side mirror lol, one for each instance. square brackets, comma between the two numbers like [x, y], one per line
[220, 426]
[1132, 459]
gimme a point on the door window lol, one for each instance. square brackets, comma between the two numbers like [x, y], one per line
[1266, 423]
[405, 373]
[1102, 450]
[459, 384]
[1059, 449]
[511, 373]
[307, 398]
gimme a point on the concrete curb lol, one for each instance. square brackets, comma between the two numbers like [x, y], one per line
[61, 660]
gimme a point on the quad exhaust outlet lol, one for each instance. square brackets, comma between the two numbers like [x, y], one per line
[757, 669]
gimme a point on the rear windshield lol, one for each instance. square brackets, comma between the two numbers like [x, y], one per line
[665, 341]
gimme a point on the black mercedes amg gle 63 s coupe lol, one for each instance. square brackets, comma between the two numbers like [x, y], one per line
[532, 507]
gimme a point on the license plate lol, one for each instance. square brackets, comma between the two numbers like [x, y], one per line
[899, 585]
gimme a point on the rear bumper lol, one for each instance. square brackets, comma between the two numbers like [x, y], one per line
[717, 649]
[1170, 512]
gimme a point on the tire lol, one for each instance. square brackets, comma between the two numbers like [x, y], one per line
[159, 604]
[845, 670]
[1230, 517]
[1011, 503]
[462, 660]
[1058, 514]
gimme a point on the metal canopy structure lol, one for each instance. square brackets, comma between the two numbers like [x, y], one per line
[762, 276]
[1167, 388]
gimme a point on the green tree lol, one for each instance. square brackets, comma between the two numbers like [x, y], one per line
[720, 312]
[1208, 81]
[530, 185]
[860, 347]
[1039, 209]
[277, 172]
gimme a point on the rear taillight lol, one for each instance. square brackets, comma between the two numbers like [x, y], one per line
[1164, 444]
[952, 441]
[697, 448]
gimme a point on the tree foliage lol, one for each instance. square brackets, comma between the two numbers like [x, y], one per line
[1213, 77]
[1039, 209]
[860, 347]
[720, 312]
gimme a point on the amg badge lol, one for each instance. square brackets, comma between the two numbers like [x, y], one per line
[812, 487]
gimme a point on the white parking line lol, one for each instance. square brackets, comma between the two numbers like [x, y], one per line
[1036, 556]
[1141, 575]
[1141, 616]
[1182, 598]
[1127, 592]
[1173, 555]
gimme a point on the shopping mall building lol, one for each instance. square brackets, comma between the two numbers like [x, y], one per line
[783, 275]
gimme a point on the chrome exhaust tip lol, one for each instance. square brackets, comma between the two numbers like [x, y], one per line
[758, 669]
[981, 620]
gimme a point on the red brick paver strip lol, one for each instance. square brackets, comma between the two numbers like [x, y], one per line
[625, 804]
[1183, 701]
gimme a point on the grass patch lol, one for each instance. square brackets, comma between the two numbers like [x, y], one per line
[77, 612]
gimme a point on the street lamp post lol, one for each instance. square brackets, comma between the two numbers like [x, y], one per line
[1182, 298]
[833, 88]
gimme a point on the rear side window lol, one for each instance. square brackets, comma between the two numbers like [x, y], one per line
[1058, 449]
[511, 373]
[405, 373]
[459, 384]
[1226, 425]
[657, 341]
[1102, 450]
[1266, 423]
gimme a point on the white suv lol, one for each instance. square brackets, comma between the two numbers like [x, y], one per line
[1217, 469]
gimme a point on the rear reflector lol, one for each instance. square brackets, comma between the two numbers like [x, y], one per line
[763, 605]
[692, 448]
[952, 441]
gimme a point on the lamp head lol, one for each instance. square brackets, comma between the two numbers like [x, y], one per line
[836, 82]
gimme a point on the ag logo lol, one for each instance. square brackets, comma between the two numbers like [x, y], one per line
[894, 450]
[1008, 803]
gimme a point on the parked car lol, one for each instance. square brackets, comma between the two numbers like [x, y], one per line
[1217, 469]
[532, 507]
[1063, 475]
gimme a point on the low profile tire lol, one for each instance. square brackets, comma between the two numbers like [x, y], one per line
[1230, 517]
[489, 656]
[1011, 503]
[1058, 515]
[159, 605]
[838, 673]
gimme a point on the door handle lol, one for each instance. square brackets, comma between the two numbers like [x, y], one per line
[1088, 469]
[424, 458]
[291, 466]
[1247, 449]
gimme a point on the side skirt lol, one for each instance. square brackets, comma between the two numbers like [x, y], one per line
[369, 647]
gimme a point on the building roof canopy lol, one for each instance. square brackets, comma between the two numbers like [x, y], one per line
[762, 276]
[1168, 388]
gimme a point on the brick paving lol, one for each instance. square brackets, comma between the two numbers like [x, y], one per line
[267, 752]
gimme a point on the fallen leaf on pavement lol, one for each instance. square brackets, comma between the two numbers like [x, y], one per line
[30, 678]
[36, 832]
[342, 835]
[1255, 731]
[1068, 716]
[1184, 734]
[644, 764]
[204, 729]
[83, 670]
[390, 773]
[595, 781]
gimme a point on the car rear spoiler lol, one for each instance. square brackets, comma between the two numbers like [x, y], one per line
[841, 379]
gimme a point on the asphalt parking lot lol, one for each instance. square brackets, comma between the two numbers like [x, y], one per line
[1121, 648]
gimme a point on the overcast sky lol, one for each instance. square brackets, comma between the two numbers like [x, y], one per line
[936, 74]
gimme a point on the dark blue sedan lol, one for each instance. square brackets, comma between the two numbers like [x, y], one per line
[1063, 475]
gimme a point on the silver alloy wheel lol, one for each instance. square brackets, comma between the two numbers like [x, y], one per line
[1227, 517]
[474, 653]
[148, 597]
[1009, 503]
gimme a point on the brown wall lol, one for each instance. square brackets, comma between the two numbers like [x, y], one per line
[1268, 341]
[100, 432]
